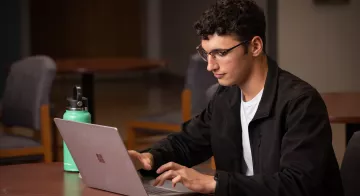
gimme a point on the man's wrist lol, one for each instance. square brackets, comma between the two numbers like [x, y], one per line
[212, 184]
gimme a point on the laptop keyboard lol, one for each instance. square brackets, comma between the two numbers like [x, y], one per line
[156, 190]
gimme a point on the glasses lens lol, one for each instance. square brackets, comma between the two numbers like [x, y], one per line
[202, 53]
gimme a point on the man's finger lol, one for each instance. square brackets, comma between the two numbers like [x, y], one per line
[134, 155]
[159, 181]
[146, 163]
[176, 180]
[168, 166]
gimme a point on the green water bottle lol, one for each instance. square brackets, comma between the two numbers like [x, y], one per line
[77, 110]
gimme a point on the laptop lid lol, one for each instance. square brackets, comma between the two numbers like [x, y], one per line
[101, 157]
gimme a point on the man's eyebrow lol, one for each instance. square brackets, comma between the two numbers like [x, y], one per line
[217, 49]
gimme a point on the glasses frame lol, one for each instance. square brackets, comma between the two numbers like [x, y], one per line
[223, 52]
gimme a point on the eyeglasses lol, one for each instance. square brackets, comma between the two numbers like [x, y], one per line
[217, 53]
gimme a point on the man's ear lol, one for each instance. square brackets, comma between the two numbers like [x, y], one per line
[256, 46]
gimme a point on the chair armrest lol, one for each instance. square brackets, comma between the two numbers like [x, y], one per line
[186, 104]
[45, 129]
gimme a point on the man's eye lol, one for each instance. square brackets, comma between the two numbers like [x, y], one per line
[221, 53]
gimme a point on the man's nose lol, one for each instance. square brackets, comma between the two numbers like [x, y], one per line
[211, 63]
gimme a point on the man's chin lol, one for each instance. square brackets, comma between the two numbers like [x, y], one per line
[223, 82]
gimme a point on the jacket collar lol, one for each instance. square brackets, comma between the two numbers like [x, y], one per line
[269, 93]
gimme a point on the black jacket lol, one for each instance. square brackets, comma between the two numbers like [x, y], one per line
[290, 137]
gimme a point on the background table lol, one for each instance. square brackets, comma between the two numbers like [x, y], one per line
[344, 108]
[91, 66]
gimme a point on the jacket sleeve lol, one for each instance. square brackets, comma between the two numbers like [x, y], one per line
[305, 149]
[188, 147]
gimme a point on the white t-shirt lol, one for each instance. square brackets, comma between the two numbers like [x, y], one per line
[247, 112]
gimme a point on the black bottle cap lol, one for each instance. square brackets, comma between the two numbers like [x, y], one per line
[77, 102]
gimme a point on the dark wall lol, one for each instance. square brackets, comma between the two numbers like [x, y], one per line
[10, 37]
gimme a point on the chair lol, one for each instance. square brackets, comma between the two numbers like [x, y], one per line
[25, 104]
[350, 167]
[197, 81]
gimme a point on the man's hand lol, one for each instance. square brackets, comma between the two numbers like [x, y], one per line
[190, 178]
[141, 160]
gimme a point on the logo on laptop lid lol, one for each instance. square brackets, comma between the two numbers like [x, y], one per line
[100, 158]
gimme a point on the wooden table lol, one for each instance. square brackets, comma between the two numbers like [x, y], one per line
[344, 108]
[91, 66]
[42, 179]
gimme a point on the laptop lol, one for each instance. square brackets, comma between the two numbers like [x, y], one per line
[104, 163]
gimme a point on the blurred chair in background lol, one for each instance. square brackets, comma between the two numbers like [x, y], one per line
[25, 104]
[198, 80]
[350, 167]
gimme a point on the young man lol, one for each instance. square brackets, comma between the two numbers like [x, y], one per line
[268, 130]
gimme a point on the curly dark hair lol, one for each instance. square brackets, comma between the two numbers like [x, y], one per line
[244, 18]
